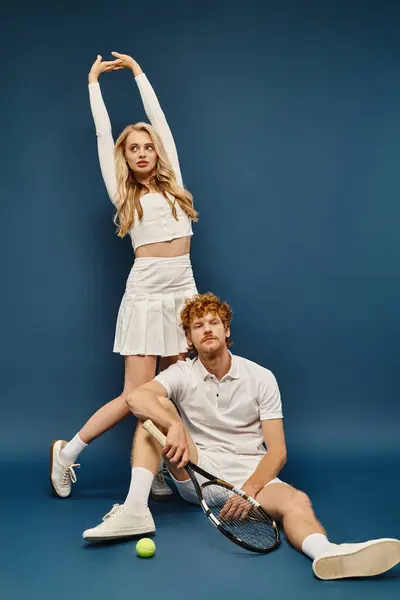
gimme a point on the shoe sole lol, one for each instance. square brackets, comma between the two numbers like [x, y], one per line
[161, 497]
[366, 562]
[110, 538]
[51, 470]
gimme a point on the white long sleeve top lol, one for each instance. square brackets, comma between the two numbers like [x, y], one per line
[158, 223]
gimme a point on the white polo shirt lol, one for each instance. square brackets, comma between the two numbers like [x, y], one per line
[224, 416]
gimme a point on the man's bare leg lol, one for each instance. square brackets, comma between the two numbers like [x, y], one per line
[294, 510]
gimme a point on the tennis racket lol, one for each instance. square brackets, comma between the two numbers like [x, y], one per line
[237, 516]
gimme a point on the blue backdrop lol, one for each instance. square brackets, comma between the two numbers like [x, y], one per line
[286, 120]
[285, 115]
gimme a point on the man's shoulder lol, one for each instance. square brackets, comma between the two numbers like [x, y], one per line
[183, 366]
[175, 375]
[188, 363]
[254, 369]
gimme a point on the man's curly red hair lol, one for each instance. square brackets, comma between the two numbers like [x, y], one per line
[199, 305]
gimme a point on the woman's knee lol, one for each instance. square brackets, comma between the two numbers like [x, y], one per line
[120, 404]
[129, 400]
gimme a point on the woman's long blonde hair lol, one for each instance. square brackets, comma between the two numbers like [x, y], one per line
[129, 189]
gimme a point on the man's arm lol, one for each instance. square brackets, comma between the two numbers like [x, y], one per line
[144, 403]
[275, 459]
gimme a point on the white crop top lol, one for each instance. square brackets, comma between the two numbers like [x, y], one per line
[158, 223]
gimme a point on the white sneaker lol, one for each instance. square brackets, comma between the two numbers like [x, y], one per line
[358, 560]
[120, 522]
[61, 477]
[160, 490]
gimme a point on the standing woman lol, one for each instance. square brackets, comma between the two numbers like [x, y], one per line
[143, 180]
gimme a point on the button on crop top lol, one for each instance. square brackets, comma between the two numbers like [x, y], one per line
[158, 223]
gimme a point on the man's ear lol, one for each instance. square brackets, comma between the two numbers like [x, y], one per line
[228, 332]
[189, 341]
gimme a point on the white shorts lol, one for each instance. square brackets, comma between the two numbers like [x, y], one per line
[221, 465]
[149, 316]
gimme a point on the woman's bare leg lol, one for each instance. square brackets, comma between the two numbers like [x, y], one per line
[138, 370]
[63, 455]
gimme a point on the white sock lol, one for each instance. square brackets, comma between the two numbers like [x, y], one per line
[139, 490]
[316, 544]
[72, 450]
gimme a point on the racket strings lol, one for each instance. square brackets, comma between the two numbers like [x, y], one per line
[239, 517]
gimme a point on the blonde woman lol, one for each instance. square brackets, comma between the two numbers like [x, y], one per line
[143, 180]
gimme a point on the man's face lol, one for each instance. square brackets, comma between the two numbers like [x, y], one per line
[208, 335]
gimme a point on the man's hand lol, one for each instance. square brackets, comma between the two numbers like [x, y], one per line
[235, 508]
[251, 488]
[176, 449]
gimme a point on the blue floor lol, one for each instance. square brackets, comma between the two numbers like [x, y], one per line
[44, 556]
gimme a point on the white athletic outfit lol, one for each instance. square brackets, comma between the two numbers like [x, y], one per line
[149, 316]
[224, 417]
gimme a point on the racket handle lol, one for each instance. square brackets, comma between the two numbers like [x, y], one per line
[155, 432]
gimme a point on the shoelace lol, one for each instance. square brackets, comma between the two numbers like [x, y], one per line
[165, 471]
[116, 509]
[160, 484]
[69, 474]
[159, 478]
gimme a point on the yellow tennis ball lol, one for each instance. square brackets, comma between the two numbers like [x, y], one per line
[145, 548]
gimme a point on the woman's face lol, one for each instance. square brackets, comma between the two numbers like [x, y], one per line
[140, 154]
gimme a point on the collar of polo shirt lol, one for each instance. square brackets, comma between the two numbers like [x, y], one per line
[233, 372]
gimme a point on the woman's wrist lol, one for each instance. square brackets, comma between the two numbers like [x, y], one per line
[136, 70]
[93, 78]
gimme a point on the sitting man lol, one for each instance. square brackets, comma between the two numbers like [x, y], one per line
[228, 407]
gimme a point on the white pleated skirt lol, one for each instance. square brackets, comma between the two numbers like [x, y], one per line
[149, 316]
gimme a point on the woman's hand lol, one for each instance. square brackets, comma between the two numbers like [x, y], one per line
[127, 62]
[99, 66]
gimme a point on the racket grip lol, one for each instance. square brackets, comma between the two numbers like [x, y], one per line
[155, 432]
